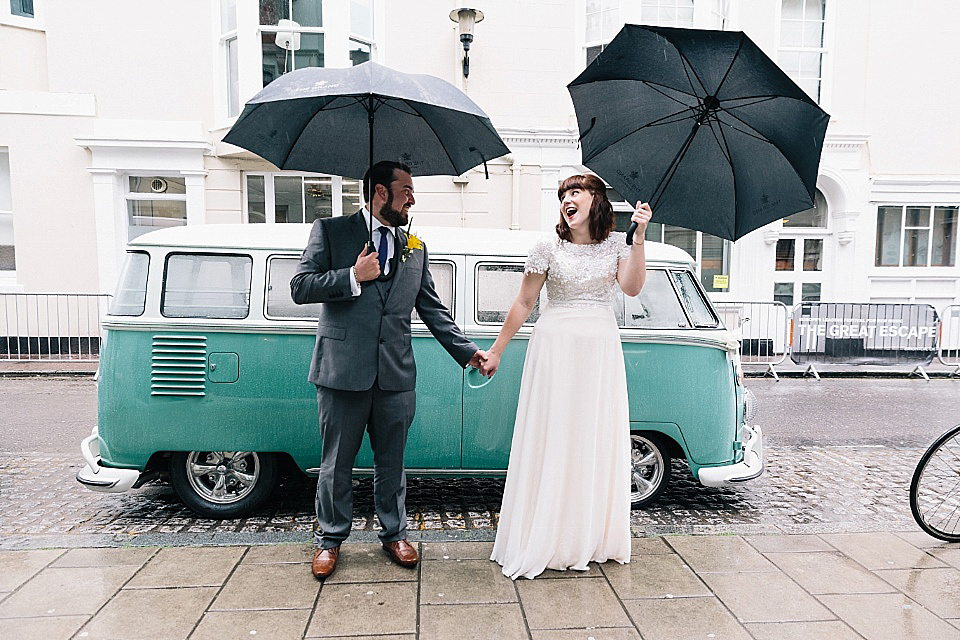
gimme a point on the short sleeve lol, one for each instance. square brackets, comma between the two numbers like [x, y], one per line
[538, 261]
[623, 249]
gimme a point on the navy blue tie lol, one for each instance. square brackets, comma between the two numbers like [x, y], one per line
[382, 249]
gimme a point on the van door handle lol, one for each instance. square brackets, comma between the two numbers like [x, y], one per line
[472, 375]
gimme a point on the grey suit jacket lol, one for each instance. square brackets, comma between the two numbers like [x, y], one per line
[365, 339]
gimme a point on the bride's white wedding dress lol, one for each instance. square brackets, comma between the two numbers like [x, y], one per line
[567, 496]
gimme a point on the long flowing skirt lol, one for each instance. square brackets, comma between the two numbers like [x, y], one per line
[566, 501]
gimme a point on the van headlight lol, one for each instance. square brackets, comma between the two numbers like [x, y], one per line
[749, 405]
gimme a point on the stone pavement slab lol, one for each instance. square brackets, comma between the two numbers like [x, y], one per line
[720, 587]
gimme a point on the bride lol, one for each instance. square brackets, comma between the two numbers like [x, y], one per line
[566, 501]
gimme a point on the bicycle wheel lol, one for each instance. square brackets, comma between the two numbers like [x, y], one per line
[935, 489]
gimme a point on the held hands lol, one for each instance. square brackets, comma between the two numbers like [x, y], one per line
[490, 364]
[641, 215]
[481, 361]
[367, 266]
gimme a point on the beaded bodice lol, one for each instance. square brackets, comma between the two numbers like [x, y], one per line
[578, 275]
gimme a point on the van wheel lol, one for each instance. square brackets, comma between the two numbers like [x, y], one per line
[223, 484]
[649, 468]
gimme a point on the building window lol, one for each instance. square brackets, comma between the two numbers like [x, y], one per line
[814, 218]
[603, 22]
[917, 236]
[667, 13]
[291, 36]
[801, 43]
[8, 257]
[291, 197]
[22, 8]
[155, 202]
[228, 44]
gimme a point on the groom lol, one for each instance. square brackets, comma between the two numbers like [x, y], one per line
[362, 363]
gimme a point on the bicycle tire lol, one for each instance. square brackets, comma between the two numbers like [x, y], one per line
[935, 488]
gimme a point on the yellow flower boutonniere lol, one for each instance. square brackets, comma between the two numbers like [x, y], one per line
[413, 244]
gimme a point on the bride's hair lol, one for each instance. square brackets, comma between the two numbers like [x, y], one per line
[602, 219]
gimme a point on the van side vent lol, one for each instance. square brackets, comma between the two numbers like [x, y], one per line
[179, 365]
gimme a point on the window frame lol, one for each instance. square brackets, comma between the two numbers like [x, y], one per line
[337, 35]
[121, 281]
[902, 236]
[476, 292]
[6, 184]
[166, 273]
[824, 50]
[36, 22]
[270, 199]
[415, 316]
[129, 196]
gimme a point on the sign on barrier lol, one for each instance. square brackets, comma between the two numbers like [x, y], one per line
[867, 333]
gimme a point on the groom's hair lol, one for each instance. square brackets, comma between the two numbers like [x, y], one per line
[602, 219]
[381, 173]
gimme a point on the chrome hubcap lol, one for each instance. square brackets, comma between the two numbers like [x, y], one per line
[646, 468]
[223, 477]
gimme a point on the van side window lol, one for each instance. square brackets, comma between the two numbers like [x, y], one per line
[497, 288]
[442, 273]
[206, 286]
[279, 303]
[693, 299]
[657, 306]
[130, 297]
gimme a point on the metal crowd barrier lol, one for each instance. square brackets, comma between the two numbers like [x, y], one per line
[763, 328]
[948, 338]
[56, 327]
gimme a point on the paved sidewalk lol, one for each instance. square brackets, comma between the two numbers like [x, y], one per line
[880, 585]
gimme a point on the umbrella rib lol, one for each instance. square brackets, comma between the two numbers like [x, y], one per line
[722, 142]
[756, 100]
[733, 59]
[656, 87]
[646, 82]
[658, 121]
[427, 122]
[310, 119]
[686, 64]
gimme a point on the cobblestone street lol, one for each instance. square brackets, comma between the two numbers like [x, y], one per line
[804, 490]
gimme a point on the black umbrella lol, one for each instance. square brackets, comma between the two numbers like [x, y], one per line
[337, 121]
[703, 125]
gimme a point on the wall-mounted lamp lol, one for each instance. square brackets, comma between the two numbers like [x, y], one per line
[466, 18]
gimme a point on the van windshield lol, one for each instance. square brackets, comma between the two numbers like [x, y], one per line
[669, 300]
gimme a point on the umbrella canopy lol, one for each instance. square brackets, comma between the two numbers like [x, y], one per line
[337, 121]
[703, 125]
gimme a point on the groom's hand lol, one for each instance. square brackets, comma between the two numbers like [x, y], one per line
[477, 360]
[367, 266]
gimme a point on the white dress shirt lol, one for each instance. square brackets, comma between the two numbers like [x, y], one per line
[391, 242]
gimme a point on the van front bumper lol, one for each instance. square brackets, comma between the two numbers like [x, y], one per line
[96, 477]
[749, 468]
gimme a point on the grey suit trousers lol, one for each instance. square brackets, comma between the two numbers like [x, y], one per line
[344, 416]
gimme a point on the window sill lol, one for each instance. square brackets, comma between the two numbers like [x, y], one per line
[8, 283]
[31, 24]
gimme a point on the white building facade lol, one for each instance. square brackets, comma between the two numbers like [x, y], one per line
[112, 116]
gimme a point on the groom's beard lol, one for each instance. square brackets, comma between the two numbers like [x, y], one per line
[395, 217]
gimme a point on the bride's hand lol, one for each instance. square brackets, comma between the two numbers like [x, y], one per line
[490, 364]
[641, 215]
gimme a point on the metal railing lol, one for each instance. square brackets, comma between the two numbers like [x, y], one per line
[56, 327]
[948, 337]
[763, 328]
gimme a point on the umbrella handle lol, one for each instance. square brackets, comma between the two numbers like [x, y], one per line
[630, 232]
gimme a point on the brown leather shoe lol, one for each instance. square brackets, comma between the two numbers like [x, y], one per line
[402, 552]
[324, 562]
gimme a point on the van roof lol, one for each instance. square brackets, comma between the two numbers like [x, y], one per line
[293, 237]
